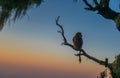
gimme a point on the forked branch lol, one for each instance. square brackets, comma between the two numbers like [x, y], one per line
[104, 10]
[62, 33]
[101, 62]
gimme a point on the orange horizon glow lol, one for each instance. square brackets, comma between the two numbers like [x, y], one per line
[23, 56]
[46, 62]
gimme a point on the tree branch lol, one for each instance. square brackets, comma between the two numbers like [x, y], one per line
[89, 6]
[62, 33]
[104, 10]
[101, 62]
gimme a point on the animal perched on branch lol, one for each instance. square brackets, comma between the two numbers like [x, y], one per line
[114, 67]
[77, 43]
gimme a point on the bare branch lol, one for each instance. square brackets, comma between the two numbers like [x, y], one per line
[101, 62]
[62, 30]
[62, 33]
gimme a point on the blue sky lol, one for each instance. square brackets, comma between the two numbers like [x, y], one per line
[37, 33]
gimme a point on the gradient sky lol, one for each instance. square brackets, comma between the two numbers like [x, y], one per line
[31, 47]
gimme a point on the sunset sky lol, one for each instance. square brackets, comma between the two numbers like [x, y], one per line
[31, 47]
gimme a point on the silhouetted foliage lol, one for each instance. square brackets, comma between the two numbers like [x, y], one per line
[16, 7]
[116, 67]
[104, 10]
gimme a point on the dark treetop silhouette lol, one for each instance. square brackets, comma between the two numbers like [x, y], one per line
[104, 10]
[16, 7]
[113, 67]
[19, 8]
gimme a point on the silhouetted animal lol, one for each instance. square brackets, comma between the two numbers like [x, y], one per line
[77, 43]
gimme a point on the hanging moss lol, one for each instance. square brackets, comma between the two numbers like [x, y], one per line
[18, 7]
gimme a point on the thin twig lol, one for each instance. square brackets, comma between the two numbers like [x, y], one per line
[62, 33]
